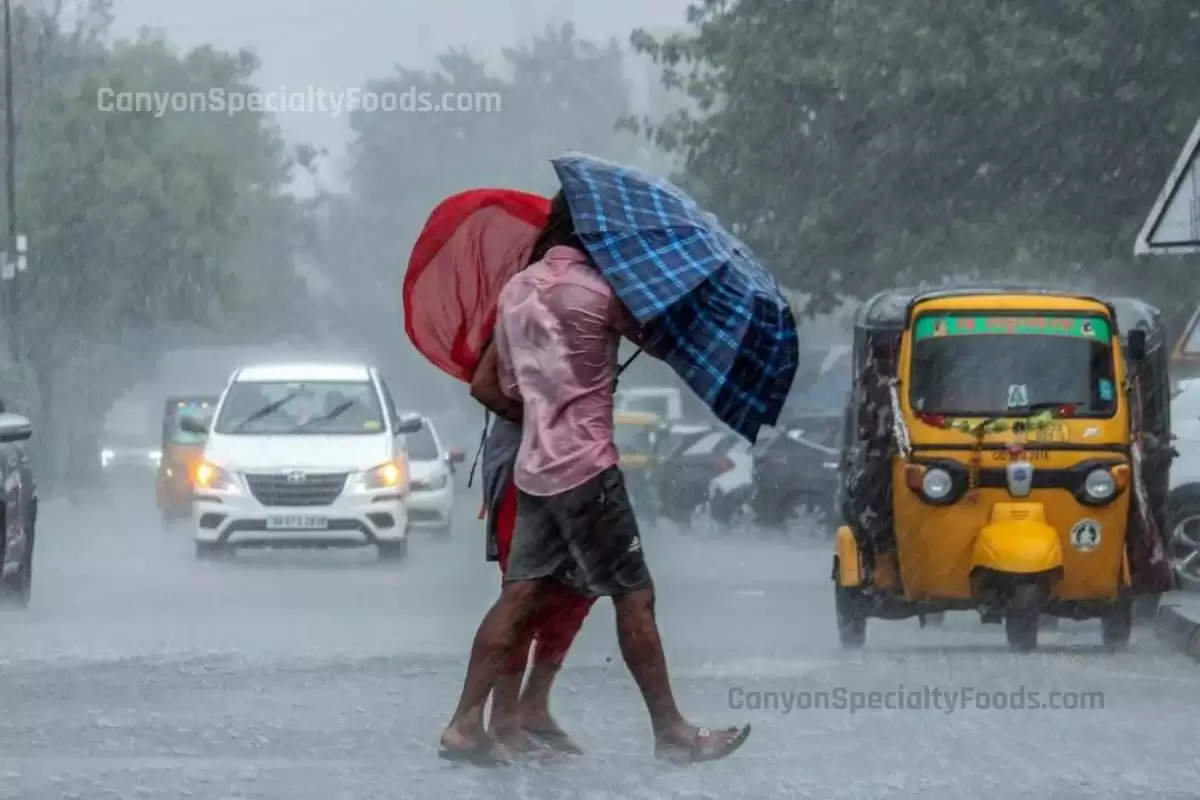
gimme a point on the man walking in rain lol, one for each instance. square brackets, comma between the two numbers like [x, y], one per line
[557, 332]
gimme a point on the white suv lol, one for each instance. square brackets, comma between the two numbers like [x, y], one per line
[303, 455]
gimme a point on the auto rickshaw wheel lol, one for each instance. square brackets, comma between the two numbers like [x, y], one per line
[1117, 624]
[850, 606]
[1021, 619]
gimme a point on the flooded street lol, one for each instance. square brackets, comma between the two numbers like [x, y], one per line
[138, 672]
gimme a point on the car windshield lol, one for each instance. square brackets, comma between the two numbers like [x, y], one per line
[301, 407]
[987, 365]
[199, 410]
[421, 445]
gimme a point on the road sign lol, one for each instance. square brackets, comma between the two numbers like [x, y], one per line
[1173, 226]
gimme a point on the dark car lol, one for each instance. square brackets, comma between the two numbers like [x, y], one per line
[19, 511]
[796, 463]
[796, 468]
[688, 467]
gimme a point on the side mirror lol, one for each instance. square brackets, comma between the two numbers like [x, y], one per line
[409, 423]
[1136, 344]
[14, 428]
[194, 425]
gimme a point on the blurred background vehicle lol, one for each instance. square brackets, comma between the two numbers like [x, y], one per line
[18, 513]
[796, 463]
[665, 402]
[731, 491]
[1183, 505]
[181, 453]
[687, 470]
[129, 458]
[796, 470]
[431, 488]
[639, 435]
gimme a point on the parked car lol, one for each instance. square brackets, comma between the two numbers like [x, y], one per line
[796, 469]
[19, 511]
[1183, 505]
[431, 498]
[304, 455]
[686, 472]
[730, 493]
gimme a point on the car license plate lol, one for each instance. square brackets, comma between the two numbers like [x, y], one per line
[296, 522]
[1051, 433]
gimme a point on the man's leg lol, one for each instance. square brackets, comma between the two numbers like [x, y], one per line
[537, 552]
[505, 724]
[555, 629]
[602, 533]
[497, 634]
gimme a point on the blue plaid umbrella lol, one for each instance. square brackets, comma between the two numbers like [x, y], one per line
[702, 294]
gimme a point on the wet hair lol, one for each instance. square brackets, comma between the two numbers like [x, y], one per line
[559, 230]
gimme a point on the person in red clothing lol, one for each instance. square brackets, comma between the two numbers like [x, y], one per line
[521, 717]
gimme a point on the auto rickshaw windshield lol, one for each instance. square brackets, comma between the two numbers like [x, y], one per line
[174, 430]
[996, 365]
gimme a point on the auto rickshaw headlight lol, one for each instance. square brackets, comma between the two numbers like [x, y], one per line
[1100, 485]
[937, 484]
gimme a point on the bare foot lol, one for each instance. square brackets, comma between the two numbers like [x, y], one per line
[547, 731]
[514, 739]
[470, 744]
[691, 745]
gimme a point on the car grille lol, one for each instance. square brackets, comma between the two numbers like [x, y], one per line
[316, 489]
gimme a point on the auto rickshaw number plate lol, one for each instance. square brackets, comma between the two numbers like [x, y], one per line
[1050, 433]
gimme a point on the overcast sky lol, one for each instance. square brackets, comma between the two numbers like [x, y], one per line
[339, 44]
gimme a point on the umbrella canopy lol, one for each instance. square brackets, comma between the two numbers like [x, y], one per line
[704, 297]
[472, 244]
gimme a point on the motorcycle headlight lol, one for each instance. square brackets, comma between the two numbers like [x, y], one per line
[106, 457]
[212, 478]
[1100, 485]
[388, 475]
[937, 484]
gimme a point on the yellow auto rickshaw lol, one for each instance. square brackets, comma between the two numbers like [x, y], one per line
[181, 453]
[1008, 453]
[638, 435]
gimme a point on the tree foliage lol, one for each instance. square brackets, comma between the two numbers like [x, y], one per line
[857, 144]
[557, 92]
[139, 224]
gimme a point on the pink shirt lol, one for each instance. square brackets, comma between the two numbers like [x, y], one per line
[557, 330]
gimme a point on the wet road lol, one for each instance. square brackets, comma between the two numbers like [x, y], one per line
[139, 673]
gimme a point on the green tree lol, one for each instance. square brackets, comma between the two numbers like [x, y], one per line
[139, 224]
[558, 93]
[856, 144]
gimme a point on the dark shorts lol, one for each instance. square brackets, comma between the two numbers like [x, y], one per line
[586, 537]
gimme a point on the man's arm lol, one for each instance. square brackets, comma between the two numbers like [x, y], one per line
[627, 325]
[486, 387]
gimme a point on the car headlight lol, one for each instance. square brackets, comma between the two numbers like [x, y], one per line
[388, 475]
[432, 483]
[106, 457]
[1100, 485]
[937, 484]
[212, 478]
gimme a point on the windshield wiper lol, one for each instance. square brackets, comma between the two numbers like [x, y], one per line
[265, 411]
[334, 413]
